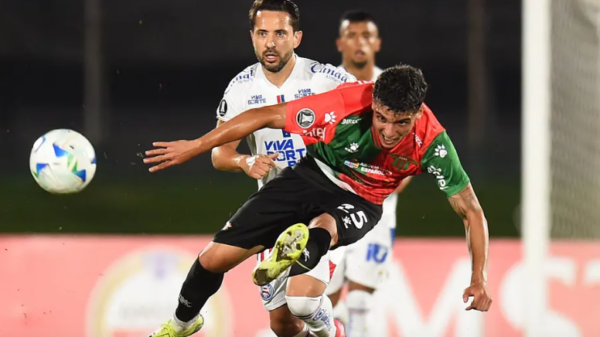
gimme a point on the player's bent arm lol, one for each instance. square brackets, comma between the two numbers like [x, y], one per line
[466, 205]
[226, 158]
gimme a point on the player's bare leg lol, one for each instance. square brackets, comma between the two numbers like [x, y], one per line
[306, 300]
[285, 324]
[203, 280]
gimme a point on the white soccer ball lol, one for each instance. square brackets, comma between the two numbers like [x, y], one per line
[62, 161]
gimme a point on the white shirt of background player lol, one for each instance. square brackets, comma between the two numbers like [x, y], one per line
[251, 89]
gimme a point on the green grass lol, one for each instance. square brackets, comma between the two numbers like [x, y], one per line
[179, 205]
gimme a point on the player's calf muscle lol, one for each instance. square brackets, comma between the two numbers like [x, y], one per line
[328, 223]
[219, 258]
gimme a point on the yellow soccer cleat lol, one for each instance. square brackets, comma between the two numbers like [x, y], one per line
[287, 250]
[170, 330]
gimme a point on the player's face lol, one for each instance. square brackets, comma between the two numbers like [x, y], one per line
[391, 126]
[274, 39]
[358, 42]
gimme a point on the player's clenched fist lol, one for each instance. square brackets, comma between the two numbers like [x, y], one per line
[481, 297]
[259, 165]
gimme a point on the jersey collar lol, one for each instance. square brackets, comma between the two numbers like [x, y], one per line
[295, 73]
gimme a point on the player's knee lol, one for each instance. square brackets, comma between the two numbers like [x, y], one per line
[327, 222]
[359, 300]
[303, 307]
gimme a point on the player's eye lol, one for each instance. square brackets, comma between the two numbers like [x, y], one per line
[281, 34]
[381, 119]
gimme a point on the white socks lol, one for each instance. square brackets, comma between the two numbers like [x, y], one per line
[358, 303]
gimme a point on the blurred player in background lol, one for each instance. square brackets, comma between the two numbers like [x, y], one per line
[298, 304]
[363, 265]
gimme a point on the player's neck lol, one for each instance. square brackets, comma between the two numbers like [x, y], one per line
[362, 74]
[279, 78]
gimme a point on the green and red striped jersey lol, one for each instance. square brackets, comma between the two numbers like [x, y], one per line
[337, 128]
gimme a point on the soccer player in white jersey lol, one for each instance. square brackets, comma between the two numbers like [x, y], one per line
[362, 265]
[296, 304]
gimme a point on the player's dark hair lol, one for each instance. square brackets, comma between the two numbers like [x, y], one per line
[286, 6]
[356, 15]
[401, 88]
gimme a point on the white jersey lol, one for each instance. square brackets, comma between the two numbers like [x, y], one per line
[251, 89]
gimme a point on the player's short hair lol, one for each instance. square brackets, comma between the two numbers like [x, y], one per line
[401, 88]
[357, 15]
[286, 6]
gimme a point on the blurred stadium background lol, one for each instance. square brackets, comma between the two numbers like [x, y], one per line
[109, 261]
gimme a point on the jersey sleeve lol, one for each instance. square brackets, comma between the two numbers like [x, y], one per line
[316, 116]
[231, 104]
[441, 160]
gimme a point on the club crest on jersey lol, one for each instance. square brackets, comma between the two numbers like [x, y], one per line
[402, 163]
[305, 118]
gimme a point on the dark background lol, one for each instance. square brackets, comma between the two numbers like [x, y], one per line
[127, 72]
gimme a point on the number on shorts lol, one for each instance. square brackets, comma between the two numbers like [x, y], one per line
[358, 219]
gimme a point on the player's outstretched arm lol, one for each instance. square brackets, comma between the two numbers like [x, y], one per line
[466, 205]
[227, 158]
[174, 153]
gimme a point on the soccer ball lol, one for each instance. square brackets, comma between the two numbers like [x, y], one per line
[62, 161]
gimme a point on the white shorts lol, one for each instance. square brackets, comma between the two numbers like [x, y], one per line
[366, 261]
[273, 294]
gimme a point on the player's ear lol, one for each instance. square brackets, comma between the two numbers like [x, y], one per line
[252, 36]
[377, 45]
[419, 113]
[297, 38]
[338, 43]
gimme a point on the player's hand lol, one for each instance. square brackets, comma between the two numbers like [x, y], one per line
[481, 297]
[170, 154]
[260, 165]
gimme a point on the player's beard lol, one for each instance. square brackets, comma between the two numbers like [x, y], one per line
[275, 67]
[359, 65]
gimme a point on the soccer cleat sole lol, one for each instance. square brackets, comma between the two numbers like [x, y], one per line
[287, 250]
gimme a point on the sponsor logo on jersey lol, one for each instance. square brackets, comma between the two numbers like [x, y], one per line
[246, 76]
[418, 140]
[376, 253]
[402, 163]
[222, 109]
[305, 118]
[329, 72]
[257, 99]
[303, 93]
[351, 121]
[318, 133]
[367, 168]
[437, 172]
[286, 149]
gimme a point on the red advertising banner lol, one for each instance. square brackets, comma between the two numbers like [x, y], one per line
[105, 286]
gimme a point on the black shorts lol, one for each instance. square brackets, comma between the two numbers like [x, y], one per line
[298, 195]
